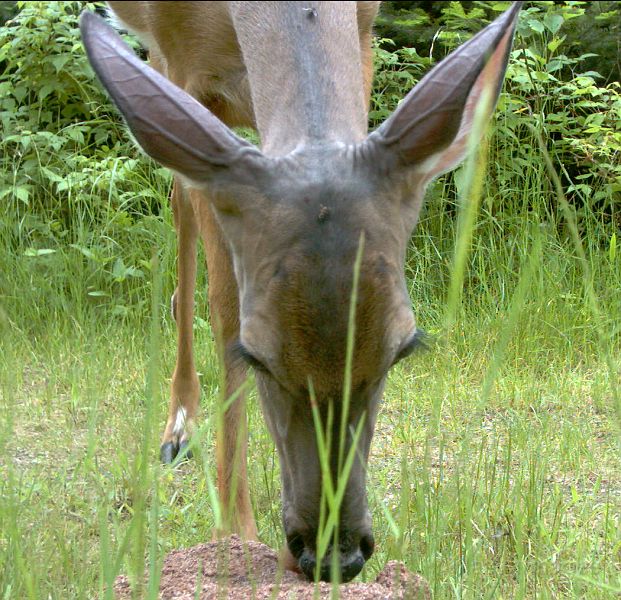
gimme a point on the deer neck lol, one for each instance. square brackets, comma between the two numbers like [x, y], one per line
[304, 65]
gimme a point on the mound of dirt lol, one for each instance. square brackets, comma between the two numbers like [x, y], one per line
[235, 570]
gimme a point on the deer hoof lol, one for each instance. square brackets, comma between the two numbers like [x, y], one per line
[170, 451]
[184, 451]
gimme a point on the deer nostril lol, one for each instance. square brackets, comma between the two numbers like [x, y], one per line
[295, 542]
[367, 545]
[351, 565]
[307, 564]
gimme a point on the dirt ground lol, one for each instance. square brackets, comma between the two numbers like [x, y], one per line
[238, 571]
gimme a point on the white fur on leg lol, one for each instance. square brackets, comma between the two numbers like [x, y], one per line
[173, 306]
[180, 419]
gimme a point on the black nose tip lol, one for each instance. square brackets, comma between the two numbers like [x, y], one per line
[307, 564]
[349, 565]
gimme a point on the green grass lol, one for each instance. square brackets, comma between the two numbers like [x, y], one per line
[495, 466]
[495, 469]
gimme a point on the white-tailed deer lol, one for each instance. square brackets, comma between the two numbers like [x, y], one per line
[281, 224]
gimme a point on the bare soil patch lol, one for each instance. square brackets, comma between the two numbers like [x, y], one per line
[234, 570]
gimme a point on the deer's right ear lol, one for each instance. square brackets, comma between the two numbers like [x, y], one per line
[171, 126]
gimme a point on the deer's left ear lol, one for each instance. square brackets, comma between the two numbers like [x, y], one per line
[429, 130]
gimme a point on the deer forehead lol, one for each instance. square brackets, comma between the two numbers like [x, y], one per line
[325, 213]
[298, 323]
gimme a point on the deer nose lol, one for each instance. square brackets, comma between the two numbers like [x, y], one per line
[350, 562]
[349, 565]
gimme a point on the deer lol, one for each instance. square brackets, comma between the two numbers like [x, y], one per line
[284, 223]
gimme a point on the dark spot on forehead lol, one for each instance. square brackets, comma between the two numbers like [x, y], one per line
[324, 213]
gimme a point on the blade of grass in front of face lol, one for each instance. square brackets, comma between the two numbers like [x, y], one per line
[469, 200]
[332, 498]
[343, 471]
[470, 194]
[324, 442]
[349, 349]
[473, 174]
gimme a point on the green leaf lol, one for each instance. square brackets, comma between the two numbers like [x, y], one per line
[51, 175]
[60, 61]
[39, 251]
[85, 251]
[553, 22]
[75, 133]
[22, 193]
[592, 74]
[536, 25]
[119, 272]
[587, 55]
[554, 44]
[134, 272]
[45, 91]
[119, 310]
[20, 92]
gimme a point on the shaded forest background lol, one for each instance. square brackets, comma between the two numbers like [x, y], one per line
[427, 24]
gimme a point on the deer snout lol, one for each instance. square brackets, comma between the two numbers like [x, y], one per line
[352, 556]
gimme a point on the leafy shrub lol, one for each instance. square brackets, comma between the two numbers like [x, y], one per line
[50, 106]
[579, 119]
[396, 73]
[545, 89]
[72, 189]
[436, 27]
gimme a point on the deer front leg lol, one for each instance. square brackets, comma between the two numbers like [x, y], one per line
[232, 434]
[184, 388]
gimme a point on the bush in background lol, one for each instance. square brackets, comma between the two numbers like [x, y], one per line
[548, 89]
[82, 210]
[79, 207]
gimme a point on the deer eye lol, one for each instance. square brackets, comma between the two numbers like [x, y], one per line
[419, 341]
[250, 358]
